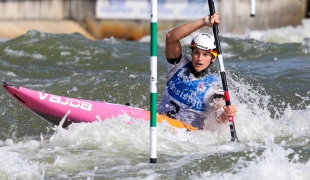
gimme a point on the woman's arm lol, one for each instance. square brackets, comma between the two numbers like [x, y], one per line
[222, 111]
[173, 37]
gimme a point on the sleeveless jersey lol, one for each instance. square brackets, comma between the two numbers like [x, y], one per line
[186, 97]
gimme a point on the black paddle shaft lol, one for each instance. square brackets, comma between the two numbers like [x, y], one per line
[215, 28]
[223, 74]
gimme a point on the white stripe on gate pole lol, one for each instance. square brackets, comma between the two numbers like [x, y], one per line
[252, 14]
[153, 83]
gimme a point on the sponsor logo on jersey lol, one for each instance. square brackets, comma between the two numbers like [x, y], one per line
[189, 92]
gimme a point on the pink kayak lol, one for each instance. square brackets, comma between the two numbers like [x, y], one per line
[53, 108]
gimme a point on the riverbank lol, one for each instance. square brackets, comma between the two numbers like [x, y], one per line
[13, 29]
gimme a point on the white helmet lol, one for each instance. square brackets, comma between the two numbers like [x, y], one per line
[204, 41]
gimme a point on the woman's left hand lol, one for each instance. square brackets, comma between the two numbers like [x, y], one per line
[230, 110]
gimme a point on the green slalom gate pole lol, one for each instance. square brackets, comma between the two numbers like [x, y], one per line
[153, 82]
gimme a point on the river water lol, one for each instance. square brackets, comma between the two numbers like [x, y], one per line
[269, 82]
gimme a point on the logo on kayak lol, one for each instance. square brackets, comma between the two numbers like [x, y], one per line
[67, 101]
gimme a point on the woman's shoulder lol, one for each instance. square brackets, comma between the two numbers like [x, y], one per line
[184, 60]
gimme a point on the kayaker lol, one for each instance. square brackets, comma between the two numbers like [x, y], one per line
[193, 92]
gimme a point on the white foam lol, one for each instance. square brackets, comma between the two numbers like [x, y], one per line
[287, 34]
[118, 144]
[14, 165]
[273, 163]
[21, 53]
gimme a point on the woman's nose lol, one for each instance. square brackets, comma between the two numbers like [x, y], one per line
[199, 57]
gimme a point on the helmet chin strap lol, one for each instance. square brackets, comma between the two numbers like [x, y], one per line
[200, 73]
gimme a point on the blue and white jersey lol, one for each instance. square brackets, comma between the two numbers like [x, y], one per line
[187, 98]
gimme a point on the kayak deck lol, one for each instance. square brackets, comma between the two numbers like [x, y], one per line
[53, 108]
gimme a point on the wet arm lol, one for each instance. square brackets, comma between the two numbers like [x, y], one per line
[173, 37]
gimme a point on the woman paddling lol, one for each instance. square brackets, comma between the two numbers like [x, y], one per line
[192, 94]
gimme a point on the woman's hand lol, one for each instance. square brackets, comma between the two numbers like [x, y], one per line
[230, 110]
[223, 111]
[210, 20]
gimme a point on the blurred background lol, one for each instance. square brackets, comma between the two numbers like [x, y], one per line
[129, 19]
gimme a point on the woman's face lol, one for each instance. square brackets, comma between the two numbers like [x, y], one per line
[201, 59]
